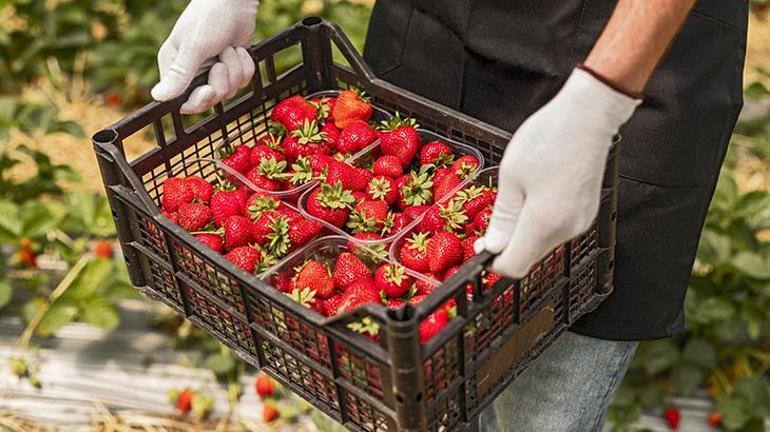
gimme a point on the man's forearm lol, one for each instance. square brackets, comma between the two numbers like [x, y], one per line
[635, 39]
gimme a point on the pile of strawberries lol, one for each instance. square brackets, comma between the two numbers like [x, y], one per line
[378, 195]
[303, 138]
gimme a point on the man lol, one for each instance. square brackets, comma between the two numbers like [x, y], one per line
[565, 75]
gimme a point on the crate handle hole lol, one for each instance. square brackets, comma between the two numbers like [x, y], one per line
[311, 21]
[105, 136]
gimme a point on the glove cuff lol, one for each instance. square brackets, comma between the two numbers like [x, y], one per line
[607, 105]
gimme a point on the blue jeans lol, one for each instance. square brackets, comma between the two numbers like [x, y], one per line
[566, 389]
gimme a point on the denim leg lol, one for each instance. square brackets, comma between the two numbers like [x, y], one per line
[566, 389]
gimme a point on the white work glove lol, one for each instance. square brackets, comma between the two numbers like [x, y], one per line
[207, 29]
[551, 174]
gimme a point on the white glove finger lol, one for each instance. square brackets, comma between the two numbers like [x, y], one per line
[479, 245]
[166, 55]
[247, 63]
[531, 240]
[234, 70]
[219, 80]
[180, 74]
[505, 216]
[201, 99]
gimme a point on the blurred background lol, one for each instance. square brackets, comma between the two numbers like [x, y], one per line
[81, 350]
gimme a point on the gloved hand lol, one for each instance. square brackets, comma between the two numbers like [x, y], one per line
[551, 173]
[207, 29]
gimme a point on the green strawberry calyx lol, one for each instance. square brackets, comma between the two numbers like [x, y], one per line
[309, 133]
[335, 197]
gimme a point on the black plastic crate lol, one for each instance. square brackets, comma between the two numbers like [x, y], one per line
[394, 383]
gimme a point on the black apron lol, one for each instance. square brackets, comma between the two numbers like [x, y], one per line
[500, 60]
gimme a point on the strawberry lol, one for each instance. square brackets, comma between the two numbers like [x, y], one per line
[270, 222]
[305, 141]
[184, 402]
[468, 250]
[194, 216]
[351, 178]
[392, 280]
[269, 413]
[351, 105]
[245, 257]
[436, 153]
[260, 203]
[348, 269]
[440, 173]
[324, 106]
[413, 253]
[357, 135]
[447, 186]
[319, 163]
[417, 299]
[414, 189]
[238, 232]
[359, 197]
[172, 216]
[444, 251]
[238, 159]
[212, 240]
[301, 231]
[388, 166]
[315, 276]
[465, 165]
[369, 216]
[262, 152]
[359, 293]
[396, 223]
[331, 305]
[225, 204]
[673, 417]
[268, 174]
[481, 221]
[176, 191]
[475, 199]
[448, 217]
[293, 112]
[101, 248]
[283, 282]
[331, 204]
[433, 325]
[413, 212]
[201, 189]
[264, 386]
[400, 138]
[272, 139]
[331, 134]
[425, 287]
[395, 303]
[490, 279]
[381, 188]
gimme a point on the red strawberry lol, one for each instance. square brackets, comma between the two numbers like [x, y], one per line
[351, 105]
[357, 135]
[272, 139]
[449, 217]
[481, 221]
[468, 251]
[213, 241]
[414, 189]
[447, 186]
[395, 303]
[238, 232]
[413, 212]
[381, 188]
[417, 299]
[395, 224]
[315, 276]
[673, 417]
[102, 249]
[202, 190]
[351, 178]
[392, 280]
[433, 325]
[388, 166]
[305, 141]
[270, 222]
[269, 412]
[331, 305]
[400, 138]
[184, 402]
[239, 159]
[359, 196]
[176, 191]
[172, 216]
[301, 231]
[444, 251]
[414, 252]
[263, 152]
[283, 282]
[194, 216]
[425, 287]
[359, 293]
[465, 165]
[369, 216]
[245, 257]
[264, 386]
[293, 112]
[349, 269]
[331, 134]
[268, 174]
[475, 199]
[225, 204]
[490, 279]
[440, 173]
[260, 203]
[324, 106]
[436, 153]
[330, 204]
[319, 163]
